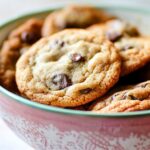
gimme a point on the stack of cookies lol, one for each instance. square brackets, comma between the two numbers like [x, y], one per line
[78, 58]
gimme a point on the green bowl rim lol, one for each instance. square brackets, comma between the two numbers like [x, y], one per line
[62, 110]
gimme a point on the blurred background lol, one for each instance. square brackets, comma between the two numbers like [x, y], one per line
[13, 8]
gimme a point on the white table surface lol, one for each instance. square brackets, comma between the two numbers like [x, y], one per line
[12, 8]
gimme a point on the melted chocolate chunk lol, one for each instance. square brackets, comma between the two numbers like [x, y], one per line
[143, 85]
[30, 37]
[127, 47]
[132, 97]
[135, 98]
[133, 32]
[113, 36]
[85, 91]
[61, 80]
[60, 43]
[76, 57]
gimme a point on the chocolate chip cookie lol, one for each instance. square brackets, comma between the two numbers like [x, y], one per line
[73, 16]
[133, 98]
[127, 106]
[114, 30]
[134, 49]
[135, 53]
[68, 69]
[19, 40]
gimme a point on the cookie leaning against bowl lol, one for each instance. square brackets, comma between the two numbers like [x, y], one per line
[127, 106]
[19, 40]
[73, 16]
[135, 53]
[132, 98]
[68, 69]
[134, 50]
[114, 30]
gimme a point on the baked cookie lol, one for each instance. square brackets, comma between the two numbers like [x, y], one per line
[132, 98]
[73, 16]
[19, 40]
[135, 53]
[127, 106]
[114, 30]
[134, 50]
[68, 69]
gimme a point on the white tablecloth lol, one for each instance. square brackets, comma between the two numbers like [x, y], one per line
[12, 8]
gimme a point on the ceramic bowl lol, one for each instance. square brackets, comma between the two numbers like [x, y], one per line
[50, 128]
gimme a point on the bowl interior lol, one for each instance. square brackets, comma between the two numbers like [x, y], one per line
[136, 16]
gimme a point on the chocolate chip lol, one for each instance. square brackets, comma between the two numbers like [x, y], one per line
[143, 85]
[76, 57]
[113, 36]
[132, 97]
[135, 98]
[85, 91]
[61, 80]
[60, 43]
[126, 47]
[30, 37]
[133, 32]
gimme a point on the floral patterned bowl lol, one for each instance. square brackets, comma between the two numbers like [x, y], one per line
[51, 128]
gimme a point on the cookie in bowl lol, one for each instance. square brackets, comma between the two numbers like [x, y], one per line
[68, 69]
[135, 53]
[18, 42]
[132, 98]
[73, 16]
[114, 29]
[134, 49]
[127, 106]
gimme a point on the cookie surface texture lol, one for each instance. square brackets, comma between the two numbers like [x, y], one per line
[68, 69]
[133, 98]
[134, 49]
[135, 53]
[73, 16]
[18, 42]
[114, 30]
